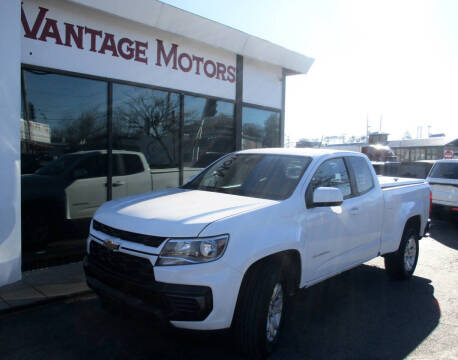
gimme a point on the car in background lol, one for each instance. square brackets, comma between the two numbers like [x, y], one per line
[73, 186]
[443, 179]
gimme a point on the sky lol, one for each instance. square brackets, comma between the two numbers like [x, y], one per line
[393, 64]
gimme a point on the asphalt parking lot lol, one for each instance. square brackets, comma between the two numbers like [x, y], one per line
[360, 314]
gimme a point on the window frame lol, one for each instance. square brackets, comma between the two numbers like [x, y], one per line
[309, 194]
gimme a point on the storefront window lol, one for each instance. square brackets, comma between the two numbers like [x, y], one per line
[62, 116]
[146, 122]
[208, 132]
[260, 128]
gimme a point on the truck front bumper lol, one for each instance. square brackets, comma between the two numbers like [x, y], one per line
[174, 302]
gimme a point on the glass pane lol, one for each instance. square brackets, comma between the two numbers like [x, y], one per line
[363, 175]
[208, 132]
[332, 173]
[445, 171]
[260, 128]
[264, 176]
[146, 128]
[63, 153]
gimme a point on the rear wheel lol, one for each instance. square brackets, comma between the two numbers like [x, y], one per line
[260, 311]
[402, 263]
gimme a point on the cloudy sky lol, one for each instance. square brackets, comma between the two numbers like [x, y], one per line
[390, 60]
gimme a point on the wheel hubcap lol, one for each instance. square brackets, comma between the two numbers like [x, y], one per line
[410, 254]
[275, 312]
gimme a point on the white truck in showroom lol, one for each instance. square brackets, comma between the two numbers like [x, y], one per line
[226, 249]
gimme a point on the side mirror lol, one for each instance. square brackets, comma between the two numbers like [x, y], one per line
[327, 196]
[79, 173]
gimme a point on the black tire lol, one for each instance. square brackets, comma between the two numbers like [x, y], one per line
[396, 264]
[250, 320]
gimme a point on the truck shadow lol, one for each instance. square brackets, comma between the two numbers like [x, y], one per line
[361, 314]
[445, 231]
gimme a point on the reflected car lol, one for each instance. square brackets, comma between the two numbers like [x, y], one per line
[443, 179]
[73, 187]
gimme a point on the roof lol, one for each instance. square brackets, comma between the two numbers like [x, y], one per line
[194, 27]
[453, 161]
[312, 152]
[439, 141]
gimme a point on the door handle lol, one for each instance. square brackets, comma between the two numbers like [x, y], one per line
[354, 211]
[117, 183]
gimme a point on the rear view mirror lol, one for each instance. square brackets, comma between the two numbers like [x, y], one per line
[327, 196]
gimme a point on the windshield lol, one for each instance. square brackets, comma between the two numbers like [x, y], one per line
[445, 171]
[58, 166]
[256, 175]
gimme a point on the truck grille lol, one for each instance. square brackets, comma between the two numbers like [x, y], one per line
[147, 240]
[127, 266]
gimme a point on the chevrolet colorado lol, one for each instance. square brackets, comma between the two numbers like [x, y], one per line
[227, 248]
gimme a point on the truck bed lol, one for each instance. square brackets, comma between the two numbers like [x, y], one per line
[390, 181]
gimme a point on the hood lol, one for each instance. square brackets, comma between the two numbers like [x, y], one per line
[175, 212]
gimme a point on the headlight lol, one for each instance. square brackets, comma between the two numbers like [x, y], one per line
[193, 251]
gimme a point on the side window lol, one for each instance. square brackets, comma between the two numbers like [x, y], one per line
[118, 168]
[362, 173]
[93, 166]
[132, 164]
[332, 173]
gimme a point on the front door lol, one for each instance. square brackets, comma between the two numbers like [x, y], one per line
[326, 230]
[88, 189]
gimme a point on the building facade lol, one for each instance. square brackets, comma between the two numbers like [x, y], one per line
[96, 94]
[424, 149]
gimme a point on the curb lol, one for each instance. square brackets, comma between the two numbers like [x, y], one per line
[46, 301]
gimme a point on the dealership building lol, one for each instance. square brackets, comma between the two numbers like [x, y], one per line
[104, 99]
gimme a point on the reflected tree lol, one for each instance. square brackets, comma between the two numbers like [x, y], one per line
[155, 117]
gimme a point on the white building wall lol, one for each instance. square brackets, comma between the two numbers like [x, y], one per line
[10, 177]
[43, 49]
[262, 83]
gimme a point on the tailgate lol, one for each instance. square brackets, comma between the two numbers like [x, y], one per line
[444, 190]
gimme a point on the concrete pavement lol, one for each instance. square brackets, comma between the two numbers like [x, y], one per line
[43, 285]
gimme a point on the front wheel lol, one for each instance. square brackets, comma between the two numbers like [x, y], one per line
[260, 311]
[402, 263]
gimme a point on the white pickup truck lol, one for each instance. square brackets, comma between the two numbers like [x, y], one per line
[225, 249]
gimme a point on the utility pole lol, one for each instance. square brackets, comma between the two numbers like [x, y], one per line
[367, 128]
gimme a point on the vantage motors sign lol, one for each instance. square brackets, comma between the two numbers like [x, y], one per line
[66, 36]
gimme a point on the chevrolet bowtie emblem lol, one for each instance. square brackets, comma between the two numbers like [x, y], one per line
[111, 245]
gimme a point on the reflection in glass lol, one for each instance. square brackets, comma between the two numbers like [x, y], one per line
[61, 117]
[255, 175]
[260, 128]
[208, 132]
[146, 122]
